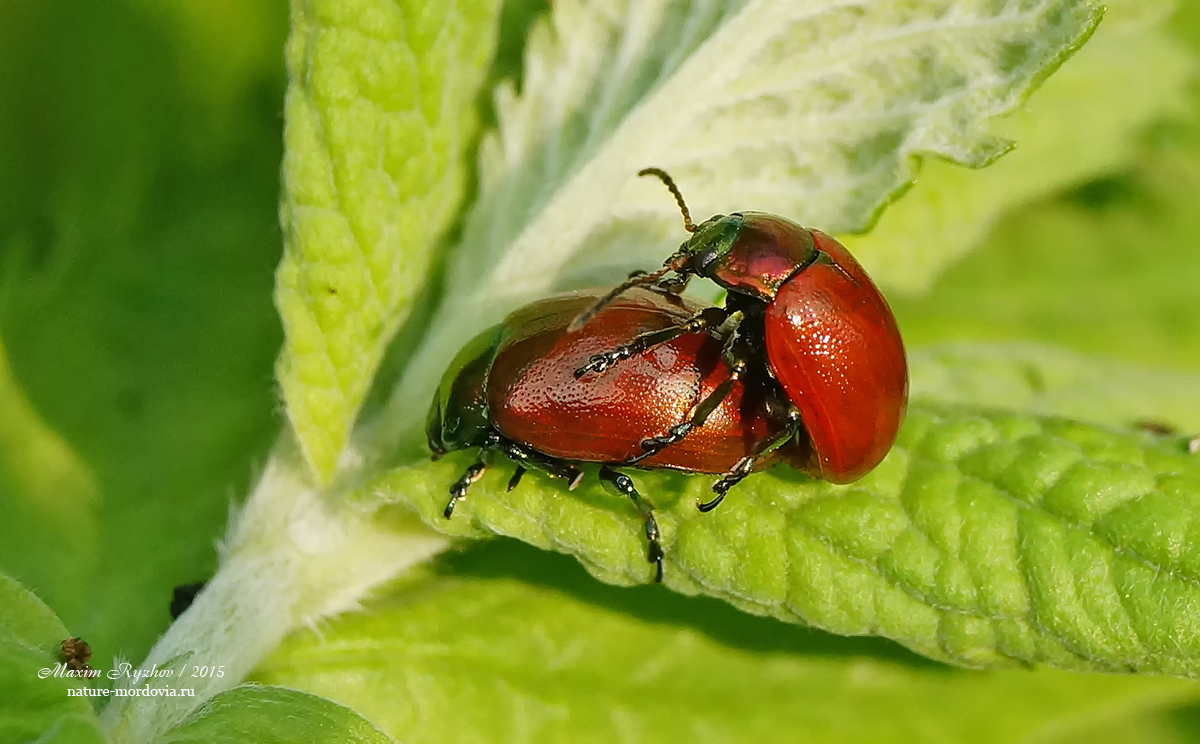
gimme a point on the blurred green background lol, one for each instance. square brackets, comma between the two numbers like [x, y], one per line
[139, 155]
[139, 159]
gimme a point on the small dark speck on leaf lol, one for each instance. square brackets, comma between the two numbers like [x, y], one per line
[1156, 428]
[76, 653]
[183, 596]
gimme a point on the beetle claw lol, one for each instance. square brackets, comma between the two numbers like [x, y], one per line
[516, 478]
[707, 506]
[654, 554]
[596, 364]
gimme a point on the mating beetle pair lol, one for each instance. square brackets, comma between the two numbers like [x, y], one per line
[802, 365]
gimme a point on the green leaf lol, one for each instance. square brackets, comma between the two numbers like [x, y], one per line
[1108, 269]
[36, 703]
[48, 498]
[1050, 380]
[811, 108]
[983, 538]
[273, 715]
[1128, 76]
[1172, 725]
[504, 643]
[292, 558]
[137, 236]
[138, 175]
[380, 111]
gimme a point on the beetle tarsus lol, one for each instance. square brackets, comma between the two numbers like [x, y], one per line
[653, 445]
[654, 554]
[654, 551]
[736, 475]
[515, 480]
[710, 317]
[745, 466]
[474, 472]
[598, 363]
[622, 484]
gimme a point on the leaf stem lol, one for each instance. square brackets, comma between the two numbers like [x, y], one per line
[293, 556]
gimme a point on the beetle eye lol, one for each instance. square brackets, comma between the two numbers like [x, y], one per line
[712, 241]
[705, 259]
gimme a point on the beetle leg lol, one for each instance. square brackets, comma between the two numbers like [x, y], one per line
[745, 466]
[653, 445]
[524, 458]
[474, 472]
[675, 262]
[623, 485]
[527, 459]
[710, 317]
[515, 480]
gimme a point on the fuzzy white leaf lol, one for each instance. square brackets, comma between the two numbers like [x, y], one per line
[815, 109]
[810, 108]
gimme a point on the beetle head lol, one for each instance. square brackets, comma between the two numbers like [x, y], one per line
[751, 253]
[458, 418]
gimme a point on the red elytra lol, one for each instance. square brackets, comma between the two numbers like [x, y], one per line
[830, 338]
[513, 389]
[534, 398]
[833, 344]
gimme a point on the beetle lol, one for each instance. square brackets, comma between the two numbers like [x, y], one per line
[830, 338]
[512, 389]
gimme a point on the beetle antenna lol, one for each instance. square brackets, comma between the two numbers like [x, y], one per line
[670, 184]
[634, 280]
[674, 263]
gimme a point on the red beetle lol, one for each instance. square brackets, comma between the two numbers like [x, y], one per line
[797, 297]
[513, 389]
